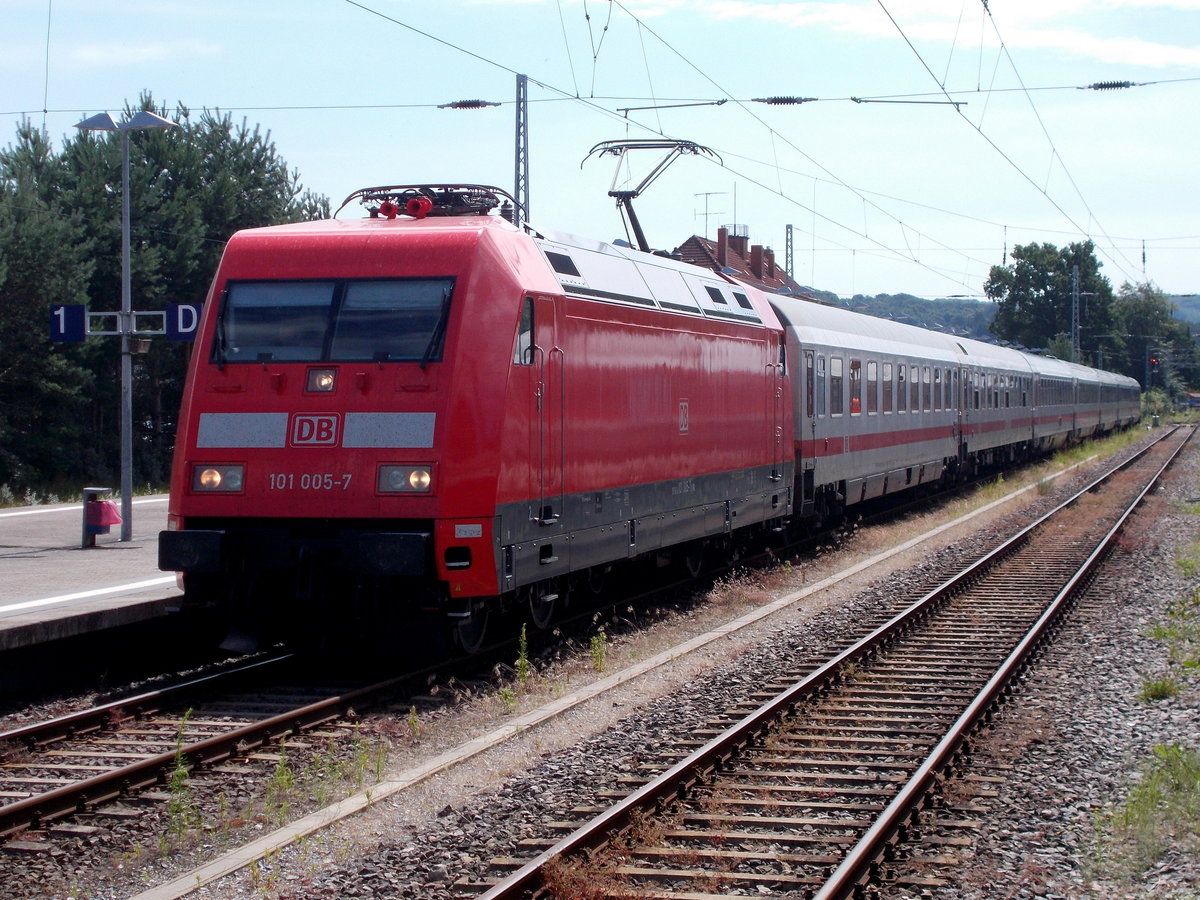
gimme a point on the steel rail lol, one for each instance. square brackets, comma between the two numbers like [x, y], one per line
[679, 778]
[856, 867]
[143, 773]
[137, 706]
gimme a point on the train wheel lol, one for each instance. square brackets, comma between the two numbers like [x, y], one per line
[543, 601]
[693, 559]
[471, 632]
[597, 577]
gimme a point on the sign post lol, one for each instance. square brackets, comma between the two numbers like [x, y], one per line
[139, 121]
[73, 323]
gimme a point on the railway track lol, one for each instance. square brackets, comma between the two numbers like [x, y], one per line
[79, 762]
[812, 792]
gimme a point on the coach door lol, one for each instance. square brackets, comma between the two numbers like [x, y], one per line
[778, 413]
[548, 453]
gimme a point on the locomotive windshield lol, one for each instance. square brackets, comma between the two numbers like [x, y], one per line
[401, 319]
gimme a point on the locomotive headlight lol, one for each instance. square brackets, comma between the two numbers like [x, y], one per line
[227, 479]
[405, 479]
[320, 381]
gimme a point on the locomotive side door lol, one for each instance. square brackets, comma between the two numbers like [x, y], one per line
[548, 451]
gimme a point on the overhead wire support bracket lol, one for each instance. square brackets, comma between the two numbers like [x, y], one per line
[628, 109]
[955, 103]
[625, 199]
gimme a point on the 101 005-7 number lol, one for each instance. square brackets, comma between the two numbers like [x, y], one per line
[308, 481]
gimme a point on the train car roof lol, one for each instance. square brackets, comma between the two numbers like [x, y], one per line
[834, 326]
[598, 270]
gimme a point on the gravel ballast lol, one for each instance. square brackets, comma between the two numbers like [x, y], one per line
[1067, 745]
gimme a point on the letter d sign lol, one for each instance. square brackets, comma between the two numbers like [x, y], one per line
[180, 321]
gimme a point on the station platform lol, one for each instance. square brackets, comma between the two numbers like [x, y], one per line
[51, 589]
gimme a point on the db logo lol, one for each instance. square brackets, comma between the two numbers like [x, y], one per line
[315, 431]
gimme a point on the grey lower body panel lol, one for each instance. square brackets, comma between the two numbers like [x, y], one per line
[600, 527]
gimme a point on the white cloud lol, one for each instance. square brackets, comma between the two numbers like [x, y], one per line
[121, 53]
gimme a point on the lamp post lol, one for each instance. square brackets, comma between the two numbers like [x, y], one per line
[140, 121]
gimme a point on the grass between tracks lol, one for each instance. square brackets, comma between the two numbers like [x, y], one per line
[1160, 815]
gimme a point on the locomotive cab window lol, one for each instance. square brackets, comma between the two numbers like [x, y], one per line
[523, 349]
[402, 319]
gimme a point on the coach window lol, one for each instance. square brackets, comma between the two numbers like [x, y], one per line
[820, 385]
[888, 387]
[914, 388]
[523, 352]
[927, 388]
[872, 387]
[975, 387]
[855, 387]
[901, 389]
[808, 383]
[836, 400]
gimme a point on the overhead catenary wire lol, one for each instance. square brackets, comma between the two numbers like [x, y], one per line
[1045, 193]
[779, 145]
[595, 106]
[1046, 133]
[841, 182]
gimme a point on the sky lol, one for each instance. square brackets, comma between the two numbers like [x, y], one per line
[941, 133]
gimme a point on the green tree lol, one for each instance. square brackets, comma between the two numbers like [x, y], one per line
[1033, 298]
[44, 259]
[1146, 318]
[190, 189]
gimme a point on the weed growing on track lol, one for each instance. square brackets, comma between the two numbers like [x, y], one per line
[508, 699]
[1181, 633]
[524, 669]
[1160, 814]
[183, 814]
[599, 648]
[742, 586]
[279, 789]
[1158, 689]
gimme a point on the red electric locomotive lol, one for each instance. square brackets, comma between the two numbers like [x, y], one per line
[431, 409]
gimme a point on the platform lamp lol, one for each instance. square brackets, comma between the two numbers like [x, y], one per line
[140, 121]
